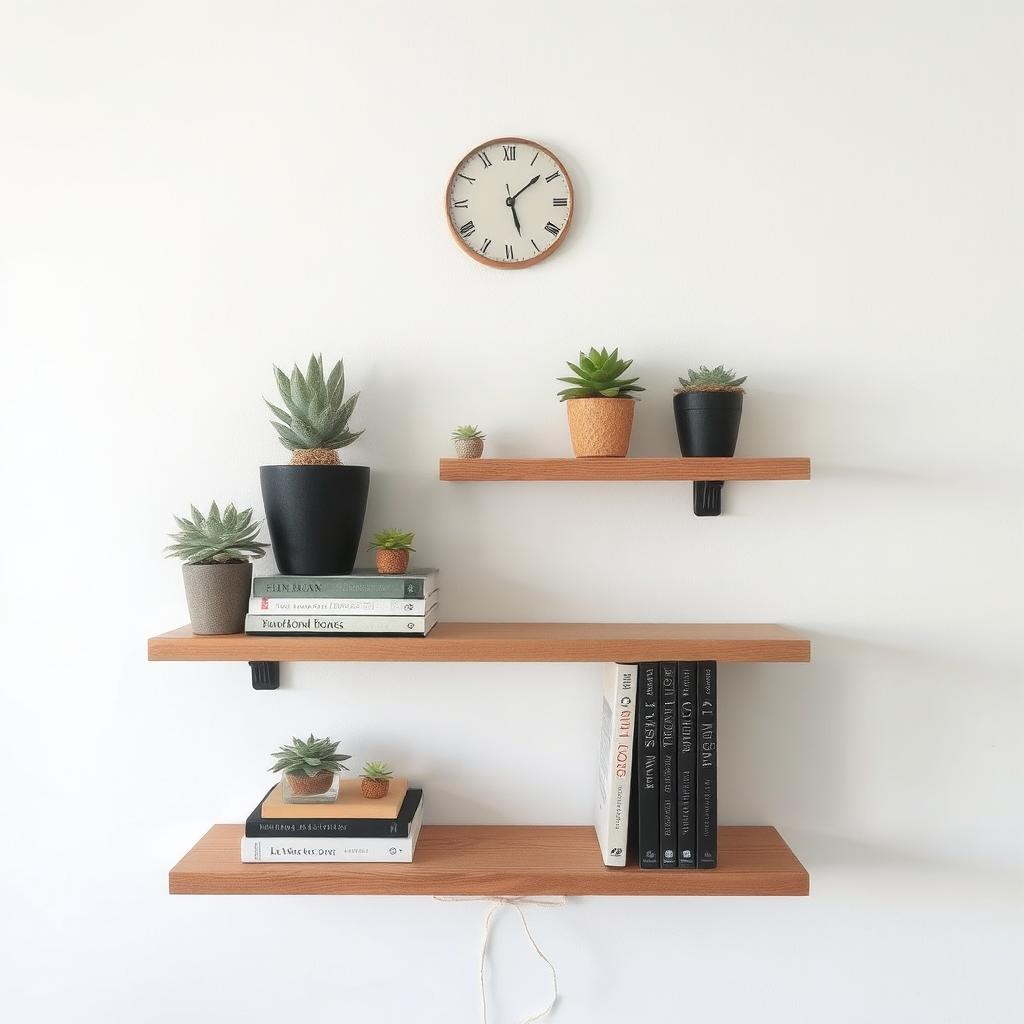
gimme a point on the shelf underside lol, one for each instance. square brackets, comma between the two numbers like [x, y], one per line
[498, 860]
[504, 641]
[625, 469]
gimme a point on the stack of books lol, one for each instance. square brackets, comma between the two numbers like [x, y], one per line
[350, 830]
[658, 753]
[364, 603]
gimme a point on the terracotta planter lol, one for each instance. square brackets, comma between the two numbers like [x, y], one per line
[469, 447]
[217, 596]
[374, 789]
[311, 785]
[391, 562]
[600, 426]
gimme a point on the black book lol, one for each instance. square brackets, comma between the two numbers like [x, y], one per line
[707, 765]
[686, 768]
[258, 827]
[646, 760]
[667, 765]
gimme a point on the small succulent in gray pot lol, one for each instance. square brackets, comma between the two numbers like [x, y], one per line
[217, 550]
[469, 442]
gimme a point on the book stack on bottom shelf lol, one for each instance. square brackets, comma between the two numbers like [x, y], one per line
[349, 830]
[658, 765]
[363, 603]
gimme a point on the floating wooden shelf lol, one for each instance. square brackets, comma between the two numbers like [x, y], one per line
[498, 860]
[625, 469]
[503, 641]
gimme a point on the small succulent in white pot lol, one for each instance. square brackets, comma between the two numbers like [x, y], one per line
[469, 442]
[217, 550]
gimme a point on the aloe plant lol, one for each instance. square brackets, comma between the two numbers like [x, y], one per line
[314, 422]
[393, 540]
[469, 433]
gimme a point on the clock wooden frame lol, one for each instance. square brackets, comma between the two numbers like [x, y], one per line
[468, 250]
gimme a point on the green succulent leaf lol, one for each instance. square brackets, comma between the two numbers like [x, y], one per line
[216, 538]
[315, 412]
[599, 375]
[716, 379]
[309, 757]
[468, 431]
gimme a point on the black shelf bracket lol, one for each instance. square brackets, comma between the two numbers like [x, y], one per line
[266, 675]
[707, 497]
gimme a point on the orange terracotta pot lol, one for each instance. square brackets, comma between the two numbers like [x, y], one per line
[600, 426]
[390, 562]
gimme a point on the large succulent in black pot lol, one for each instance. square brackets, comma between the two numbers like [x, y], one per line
[314, 505]
[708, 405]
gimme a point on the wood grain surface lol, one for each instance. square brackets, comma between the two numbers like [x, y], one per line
[625, 469]
[504, 641]
[498, 860]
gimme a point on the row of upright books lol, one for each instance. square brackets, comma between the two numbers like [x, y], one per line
[349, 830]
[658, 786]
[363, 603]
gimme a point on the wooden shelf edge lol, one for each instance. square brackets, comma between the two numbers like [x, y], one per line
[504, 642]
[498, 860]
[502, 470]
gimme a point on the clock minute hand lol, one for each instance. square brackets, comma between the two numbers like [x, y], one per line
[532, 181]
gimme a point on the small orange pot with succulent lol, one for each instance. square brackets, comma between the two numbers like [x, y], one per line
[600, 404]
[376, 780]
[392, 548]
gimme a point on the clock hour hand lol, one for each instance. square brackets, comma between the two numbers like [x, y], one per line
[511, 204]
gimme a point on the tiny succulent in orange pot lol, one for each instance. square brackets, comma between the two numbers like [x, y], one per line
[376, 780]
[392, 547]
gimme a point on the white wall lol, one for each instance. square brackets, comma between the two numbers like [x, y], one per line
[823, 195]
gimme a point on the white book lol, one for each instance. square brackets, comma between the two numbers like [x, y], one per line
[328, 625]
[317, 850]
[341, 605]
[615, 763]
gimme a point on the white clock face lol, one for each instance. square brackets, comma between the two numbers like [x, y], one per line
[509, 203]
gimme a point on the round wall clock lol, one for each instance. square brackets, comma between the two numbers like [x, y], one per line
[509, 203]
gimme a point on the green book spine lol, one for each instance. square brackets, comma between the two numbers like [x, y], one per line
[340, 586]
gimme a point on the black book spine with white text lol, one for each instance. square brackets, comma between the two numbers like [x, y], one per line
[648, 785]
[707, 764]
[667, 764]
[686, 767]
[611, 819]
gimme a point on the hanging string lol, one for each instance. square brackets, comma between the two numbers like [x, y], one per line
[516, 903]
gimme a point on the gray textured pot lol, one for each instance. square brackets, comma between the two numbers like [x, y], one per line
[218, 596]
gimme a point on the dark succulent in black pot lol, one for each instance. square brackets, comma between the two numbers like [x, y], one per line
[708, 405]
[315, 506]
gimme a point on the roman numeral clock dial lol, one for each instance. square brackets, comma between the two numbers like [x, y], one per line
[509, 203]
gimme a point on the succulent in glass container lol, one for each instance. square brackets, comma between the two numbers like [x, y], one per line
[309, 769]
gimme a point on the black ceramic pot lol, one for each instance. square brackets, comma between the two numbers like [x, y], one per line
[315, 516]
[708, 422]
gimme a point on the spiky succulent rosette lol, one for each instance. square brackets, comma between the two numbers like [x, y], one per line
[717, 379]
[599, 375]
[309, 757]
[216, 538]
[314, 422]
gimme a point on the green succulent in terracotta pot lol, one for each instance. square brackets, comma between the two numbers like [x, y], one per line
[376, 780]
[600, 403]
[309, 769]
[217, 549]
[392, 549]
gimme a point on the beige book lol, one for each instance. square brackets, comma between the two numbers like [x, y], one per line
[350, 803]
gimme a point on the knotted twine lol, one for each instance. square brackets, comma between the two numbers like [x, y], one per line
[516, 903]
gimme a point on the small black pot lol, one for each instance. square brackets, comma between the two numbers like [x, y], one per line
[708, 422]
[315, 516]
